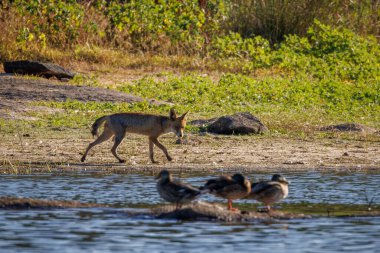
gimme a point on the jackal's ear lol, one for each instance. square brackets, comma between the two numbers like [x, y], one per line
[184, 115]
[173, 114]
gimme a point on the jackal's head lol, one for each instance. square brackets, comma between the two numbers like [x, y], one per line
[177, 123]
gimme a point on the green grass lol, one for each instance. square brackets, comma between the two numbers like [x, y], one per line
[289, 106]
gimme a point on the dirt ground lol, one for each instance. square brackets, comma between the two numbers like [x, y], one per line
[61, 149]
[201, 153]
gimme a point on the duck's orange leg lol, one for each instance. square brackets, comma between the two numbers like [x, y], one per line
[230, 206]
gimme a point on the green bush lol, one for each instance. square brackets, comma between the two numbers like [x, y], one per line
[53, 21]
[331, 53]
[256, 50]
[274, 20]
[149, 25]
[239, 29]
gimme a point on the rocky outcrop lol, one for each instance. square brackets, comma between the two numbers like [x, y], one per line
[45, 69]
[20, 89]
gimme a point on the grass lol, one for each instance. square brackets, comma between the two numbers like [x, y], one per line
[288, 106]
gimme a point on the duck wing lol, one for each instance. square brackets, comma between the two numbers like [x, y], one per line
[264, 189]
[226, 187]
[182, 190]
[217, 184]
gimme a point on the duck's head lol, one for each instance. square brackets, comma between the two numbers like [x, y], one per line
[164, 175]
[279, 178]
[238, 178]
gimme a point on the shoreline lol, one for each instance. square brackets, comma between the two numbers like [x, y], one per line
[208, 153]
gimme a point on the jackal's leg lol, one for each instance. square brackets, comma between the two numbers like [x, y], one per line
[118, 139]
[102, 138]
[158, 144]
[151, 146]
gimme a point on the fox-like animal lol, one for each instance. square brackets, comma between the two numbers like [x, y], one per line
[153, 126]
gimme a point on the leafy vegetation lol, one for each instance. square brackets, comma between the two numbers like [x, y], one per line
[306, 74]
[274, 20]
[38, 28]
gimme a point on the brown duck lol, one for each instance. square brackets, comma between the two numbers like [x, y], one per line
[230, 188]
[174, 191]
[270, 192]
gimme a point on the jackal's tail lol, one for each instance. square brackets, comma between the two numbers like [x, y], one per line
[97, 124]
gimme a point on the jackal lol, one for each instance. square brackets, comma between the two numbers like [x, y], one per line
[153, 126]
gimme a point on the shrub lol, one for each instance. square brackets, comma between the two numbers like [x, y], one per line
[274, 20]
[54, 21]
[234, 47]
[331, 53]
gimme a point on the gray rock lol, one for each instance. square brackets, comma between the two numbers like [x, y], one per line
[202, 122]
[348, 127]
[45, 69]
[239, 123]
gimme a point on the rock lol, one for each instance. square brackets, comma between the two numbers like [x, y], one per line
[27, 89]
[202, 122]
[37, 68]
[214, 212]
[239, 123]
[348, 127]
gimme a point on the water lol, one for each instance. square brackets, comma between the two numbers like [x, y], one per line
[129, 189]
[112, 230]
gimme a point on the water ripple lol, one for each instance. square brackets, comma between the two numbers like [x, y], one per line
[97, 230]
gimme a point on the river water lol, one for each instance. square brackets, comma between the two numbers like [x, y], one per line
[112, 230]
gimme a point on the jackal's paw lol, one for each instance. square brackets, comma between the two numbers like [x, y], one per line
[83, 159]
[170, 158]
[155, 162]
[121, 161]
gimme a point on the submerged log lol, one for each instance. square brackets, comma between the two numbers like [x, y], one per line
[198, 211]
[207, 211]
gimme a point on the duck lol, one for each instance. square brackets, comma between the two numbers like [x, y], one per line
[270, 192]
[175, 191]
[230, 188]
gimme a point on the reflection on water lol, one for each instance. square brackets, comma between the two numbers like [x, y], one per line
[102, 230]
